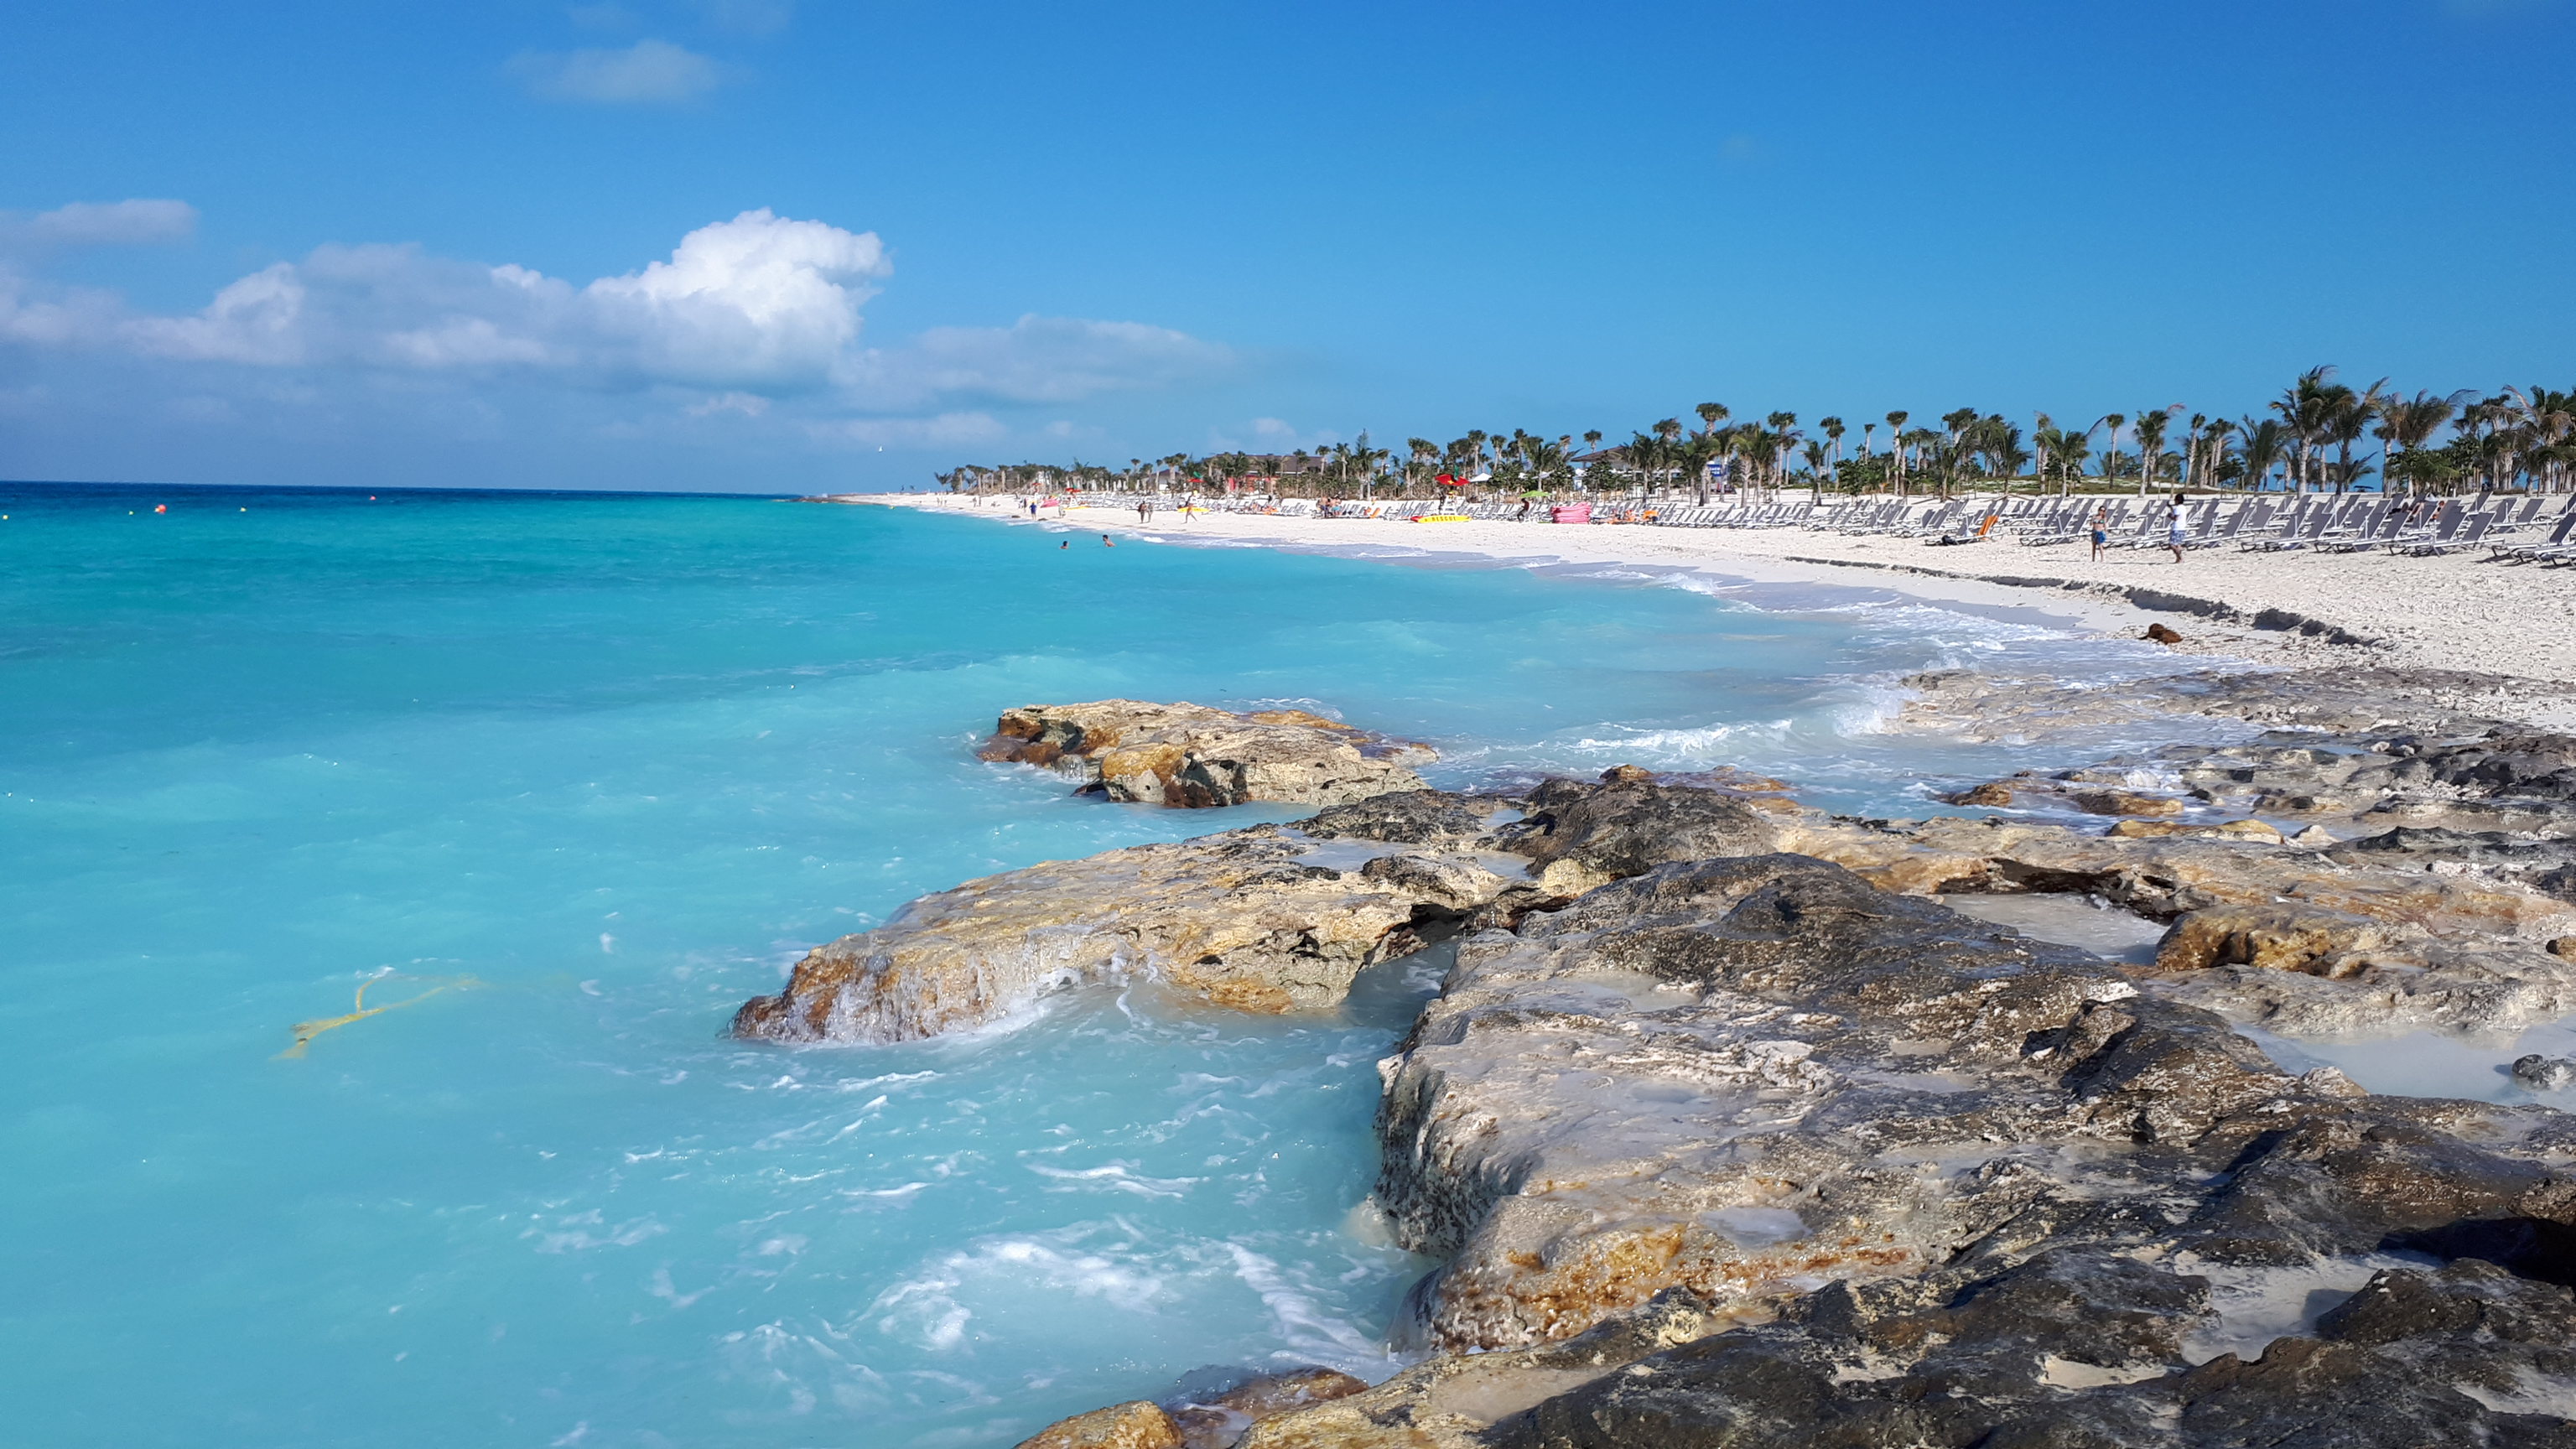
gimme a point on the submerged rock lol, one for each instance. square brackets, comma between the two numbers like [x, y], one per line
[2548, 1074]
[1190, 755]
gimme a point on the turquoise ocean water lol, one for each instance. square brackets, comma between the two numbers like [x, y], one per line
[574, 775]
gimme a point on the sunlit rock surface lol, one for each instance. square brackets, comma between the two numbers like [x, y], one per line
[1262, 919]
[1189, 755]
[1724, 1133]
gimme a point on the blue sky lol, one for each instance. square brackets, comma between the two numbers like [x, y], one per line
[769, 245]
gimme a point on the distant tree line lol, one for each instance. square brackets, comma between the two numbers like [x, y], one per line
[2309, 439]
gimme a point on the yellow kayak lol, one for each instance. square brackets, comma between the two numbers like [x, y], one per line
[1442, 518]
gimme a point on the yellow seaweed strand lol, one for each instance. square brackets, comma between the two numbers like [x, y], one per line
[306, 1031]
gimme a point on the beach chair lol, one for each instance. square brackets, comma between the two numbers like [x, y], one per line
[2444, 523]
[2528, 552]
[2464, 533]
[2303, 527]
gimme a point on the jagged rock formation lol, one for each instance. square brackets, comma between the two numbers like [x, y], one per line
[1860, 1171]
[1261, 919]
[2410, 926]
[1724, 1135]
[1188, 755]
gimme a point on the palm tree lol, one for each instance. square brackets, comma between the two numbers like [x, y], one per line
[1833, 430]
[1694, 454]
[2263, 440]
[2111, 449]
[1785, 424]
[1710, 415]
[2307, 409]
[2405, 424]
[2209, 445]
[1896, 447]
[2150, 432]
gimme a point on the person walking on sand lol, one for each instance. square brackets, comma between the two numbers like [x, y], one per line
[2174, 532]
[2101, 533]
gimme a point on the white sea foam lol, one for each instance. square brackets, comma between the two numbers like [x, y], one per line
[1307, 1329]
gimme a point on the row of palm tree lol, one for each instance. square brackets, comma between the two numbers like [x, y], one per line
[2305, 440]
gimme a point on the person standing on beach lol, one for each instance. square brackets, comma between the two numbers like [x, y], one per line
[2101, 533]
[2174, 534]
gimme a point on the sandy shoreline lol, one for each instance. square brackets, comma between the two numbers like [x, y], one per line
[2453, 612]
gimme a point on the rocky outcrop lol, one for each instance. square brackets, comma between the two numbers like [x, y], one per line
[1975, 705]
[1189, 755]
[1262, 919]
[1723, 1133]
[1141, 1424]
[2408, 927]
[1748, 1153]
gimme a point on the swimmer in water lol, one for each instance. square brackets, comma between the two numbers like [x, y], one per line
[1105, 543]
[1068, 543]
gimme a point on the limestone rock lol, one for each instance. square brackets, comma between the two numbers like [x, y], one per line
[1260, 919]
[2109, 1340]
[1742, 1077]
[1599, 833]
[1219, 1420]
[2274, 938]
[1452, 1400]
[1189, 755]
[1138, 1425]
[1975, 705]
[2256, 831]
[1723, 1074]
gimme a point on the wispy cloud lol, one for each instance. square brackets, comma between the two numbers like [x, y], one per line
[102, 223]
[647, 73]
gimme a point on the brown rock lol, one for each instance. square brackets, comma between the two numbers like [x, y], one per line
[1295, 1389]
[2159, 634]
[1222, 1421]
[1141, 1424]
[2563, 946]
[1189, 755]
[1617, 773]
[2256, 831]
[1993, 793]
[2331, 944]
[2124, 802]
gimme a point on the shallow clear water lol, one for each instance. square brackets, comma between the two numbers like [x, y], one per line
[585, 772]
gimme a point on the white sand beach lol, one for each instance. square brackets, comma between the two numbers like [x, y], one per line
[2455, 611]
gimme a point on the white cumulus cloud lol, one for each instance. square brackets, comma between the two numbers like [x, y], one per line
[647, 73]
[759, 319]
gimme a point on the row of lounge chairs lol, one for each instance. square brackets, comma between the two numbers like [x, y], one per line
[2534, 528]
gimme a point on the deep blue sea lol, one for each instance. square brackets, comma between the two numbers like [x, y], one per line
[562, 779]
